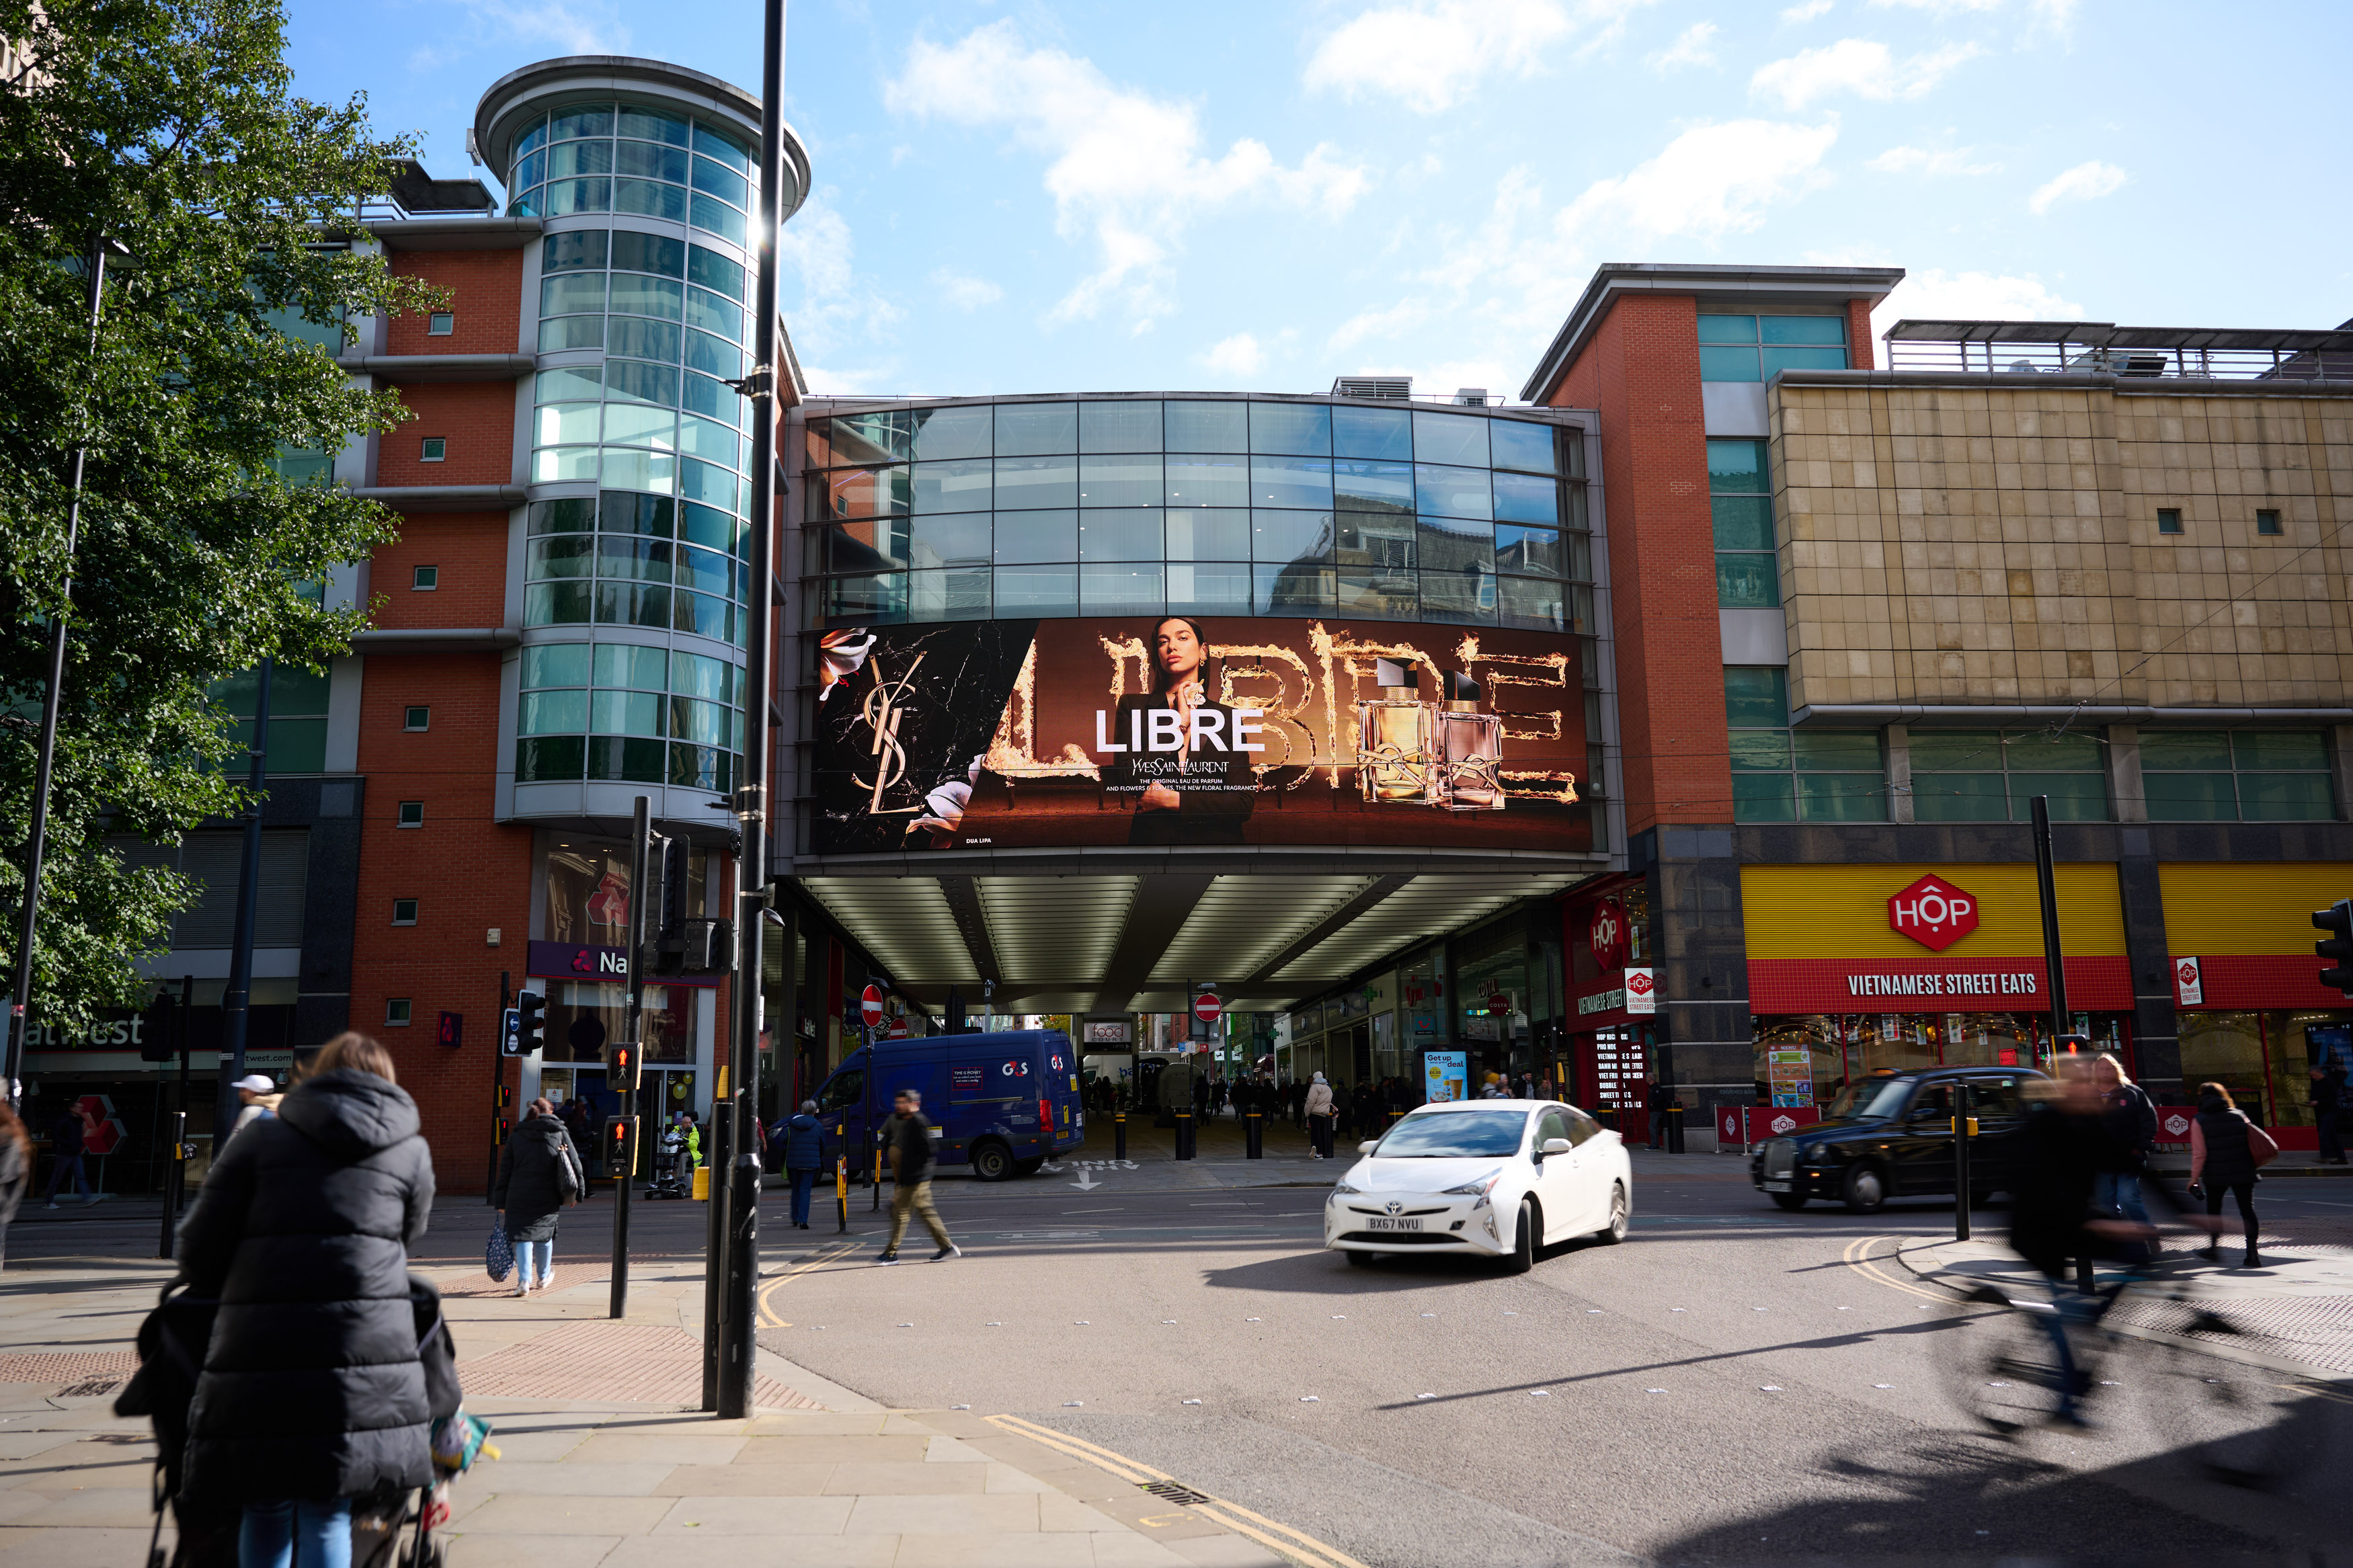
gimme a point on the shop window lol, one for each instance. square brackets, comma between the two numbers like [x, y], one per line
[1781, 774]
[1756, 348]
[1990, 775]
[1740, 500]
[2237, 775]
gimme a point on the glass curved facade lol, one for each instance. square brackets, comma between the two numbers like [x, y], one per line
[623, 157]
[1195, 506]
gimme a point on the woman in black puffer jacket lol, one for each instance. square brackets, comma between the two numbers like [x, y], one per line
[538, 1172]
[312, 1392]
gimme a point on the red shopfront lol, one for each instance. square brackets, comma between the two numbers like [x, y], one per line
[1612, 1036]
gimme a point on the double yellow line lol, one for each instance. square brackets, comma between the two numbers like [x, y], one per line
[832, 1253]
[1858, 1257]
[1278, 1538]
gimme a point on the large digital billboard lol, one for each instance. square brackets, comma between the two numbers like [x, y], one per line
[1197, 730]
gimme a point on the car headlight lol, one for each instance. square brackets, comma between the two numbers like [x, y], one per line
[1478, 1188]
[1339, 1187]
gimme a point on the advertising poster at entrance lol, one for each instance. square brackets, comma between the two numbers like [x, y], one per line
[1015, 734]
[1446, 1077]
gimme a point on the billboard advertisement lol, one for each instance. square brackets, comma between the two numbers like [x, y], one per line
[1182, 729]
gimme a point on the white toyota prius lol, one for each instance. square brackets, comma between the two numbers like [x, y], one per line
[1495, 1178]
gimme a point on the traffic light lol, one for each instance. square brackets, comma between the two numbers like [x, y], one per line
[621, 1065]
[618, 1153]
[683, 942]
[531, 1030]
[2336, 919]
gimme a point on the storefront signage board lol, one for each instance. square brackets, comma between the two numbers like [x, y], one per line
[2188, 986]
[1446, 1077]
[1931, 985]
[587, 961]
[1641, 993]
[1610, 1001]
[1607, 935]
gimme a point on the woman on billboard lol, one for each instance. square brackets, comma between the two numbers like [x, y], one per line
[1184, 760]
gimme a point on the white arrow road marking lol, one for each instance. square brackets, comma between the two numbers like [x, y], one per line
[1086, 1182]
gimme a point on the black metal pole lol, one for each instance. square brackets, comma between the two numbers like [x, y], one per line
[714, 1243]
[236, 1000]
[498, 1078]
[1961, 1160]
[20, 1009]
[634, 933]
[2046, 884]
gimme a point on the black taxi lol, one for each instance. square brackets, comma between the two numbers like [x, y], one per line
[1890, 1135]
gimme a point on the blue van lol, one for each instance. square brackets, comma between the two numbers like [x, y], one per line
[1003, 1104]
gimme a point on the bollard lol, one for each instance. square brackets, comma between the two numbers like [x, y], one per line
[877, 1204]
[739, 1304]
[840, 1182]
[1964, 1127]
[1119, 1134]
[1254, 1135]
[1184, 1132]
[1675, 1128]
[175, 1181]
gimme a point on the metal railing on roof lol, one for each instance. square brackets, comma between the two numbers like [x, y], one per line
[2204, 354]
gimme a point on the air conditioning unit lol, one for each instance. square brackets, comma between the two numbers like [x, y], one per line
[1471, 397]
[1388, 388]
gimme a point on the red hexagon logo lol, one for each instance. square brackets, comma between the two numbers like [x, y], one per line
[1934, 914]
[102, 1130]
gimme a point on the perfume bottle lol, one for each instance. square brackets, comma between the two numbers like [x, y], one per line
[1470, 748]
[1395, 757]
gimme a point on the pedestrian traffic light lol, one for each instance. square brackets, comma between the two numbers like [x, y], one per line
[530, 1031]
[2338, 949]
[682, 941]
[621, 1065]
[620, 1155]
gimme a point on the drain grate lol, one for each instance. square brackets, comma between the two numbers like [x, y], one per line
[1171, 1491]
[90, 1388]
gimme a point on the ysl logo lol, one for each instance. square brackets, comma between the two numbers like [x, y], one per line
[882, 711]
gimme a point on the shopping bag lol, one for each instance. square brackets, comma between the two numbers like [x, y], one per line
[498, 1257]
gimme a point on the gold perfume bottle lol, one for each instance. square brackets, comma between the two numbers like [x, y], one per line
[1395, 757]
[1470, 748]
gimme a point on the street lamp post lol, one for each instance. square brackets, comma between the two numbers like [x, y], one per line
[36, 840]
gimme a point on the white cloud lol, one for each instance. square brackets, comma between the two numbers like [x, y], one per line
[1858, 66]
[1941, 7]
[1237, 355]
[565, 25]
[1937, 296]
[1934, 165]
[1806, 11]
[1127, 167]
[2086, 182]
[1399, 318]
[965, 292]
[1693, 46]
[837, 307]
[1428, 55]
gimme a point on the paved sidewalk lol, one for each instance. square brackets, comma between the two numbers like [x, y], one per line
[605, 1460]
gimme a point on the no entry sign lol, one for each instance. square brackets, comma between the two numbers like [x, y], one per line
[869, 1006]
[1207, 1007]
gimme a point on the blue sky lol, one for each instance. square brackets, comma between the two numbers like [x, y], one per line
[1260, 195]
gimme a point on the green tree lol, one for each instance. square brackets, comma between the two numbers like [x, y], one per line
[170, 127]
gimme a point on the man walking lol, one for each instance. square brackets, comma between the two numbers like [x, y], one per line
[910, 1166]
[66, 1147]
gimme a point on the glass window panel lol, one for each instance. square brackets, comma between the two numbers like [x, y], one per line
[564, 555]
[2279, 749]
[556, 604]
[1037, 429]
[571, 333]
[649, 198]
[1291, 481]
[1760, 749]
[634, 251]
[1026, 482]
[1829, 329]
[703, 768]
[1737, 468]
[1206, 426]
[708, 483]
[1453, 493]
[1748, 581]
[1373, 433]
[555, 423]
[704, 569]
[1529, 602]
[1743, 522]
[713, 314]
[556, 465]
[1112, 590]
[569, 293]
[639, 338]
[636, 761]
[1119, 480]
[727, 146]
[589, 119]
[1465, 596]
[2193, 749]
[1528, 551]
[1451, 439]
[704, 723]
[1729, 364]
[556, 757]
[1036, 536]
[636, 294]
[1207, 535]
[1756, 695]
[573, 516]
[1764, 797]
[2046, 752]
[1120, 536]
[963, 486]
[641, 382]
[1302, 429]
[710, 270]
[959, 539]
[531, 141]
[1727, 329]
[1221, 481]
[950, 433]
[711, 529]
[580, 158]
[1377, 594]
[2074, 797]
[713, 357]
[626, 713]
[640, 424]
[1363, 485]
[1209, 588]
[628, 604]
[1032, 591]
[1959, 797]
[563, 385]
[1778, 359]
[629, 470]
[863, 547]
[958, 593]
[710, 439]
[651, 124]
[1525, 498]
[1121, 426]
[703, 615]
[1293, 590]
[2285, 797]
[1521, 444]
[1961, 751]
[556, 664]
[628, 555]
[627, 664]
[1454, 547]
[709, 213]
[553, 713]
[692, 675]
[1367, 539]
[860, 492]
[1282, 536]
[1851, 749]
[872, 438]
[580, 249]
[722, 182]
[1842, 797]
[713, 399]
[622, 512]
[564, 197]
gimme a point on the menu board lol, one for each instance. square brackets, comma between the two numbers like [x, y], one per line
[1790, 1071]
[1619, 1067]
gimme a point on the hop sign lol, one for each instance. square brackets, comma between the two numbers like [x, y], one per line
[1934, 914]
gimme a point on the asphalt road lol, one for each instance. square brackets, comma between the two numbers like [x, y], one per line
[1728, 1386]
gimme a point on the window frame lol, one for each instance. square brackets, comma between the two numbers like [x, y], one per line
[415, 717]
[425, 579]
[403, 911]
[440, 324]
[433, 450]
[408, 813]
[399, 1012]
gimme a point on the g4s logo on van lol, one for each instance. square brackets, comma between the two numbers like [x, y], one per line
[1057, 1062]
[1015, 1069]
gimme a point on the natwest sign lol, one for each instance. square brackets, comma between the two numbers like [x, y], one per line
[1934, 914]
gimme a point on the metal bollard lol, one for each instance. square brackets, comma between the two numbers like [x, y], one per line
[841, 1186]
[1184, 1132]
[176, 1179]
[1254, 1135]
[1675, 1128]
[1119, 1134]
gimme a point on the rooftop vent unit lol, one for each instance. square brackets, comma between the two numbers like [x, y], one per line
[1391, 388]
[1471, 397]
[2123, 362]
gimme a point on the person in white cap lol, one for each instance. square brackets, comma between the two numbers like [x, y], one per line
[259, 1094]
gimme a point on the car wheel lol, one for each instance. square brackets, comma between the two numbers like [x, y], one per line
[1865, 1189]
[1523, 1255]
[1789, 1201]
[991, 1161]
[1364, 1260]
[1621, 1216]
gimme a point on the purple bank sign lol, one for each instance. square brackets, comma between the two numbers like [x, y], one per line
[582, 960]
